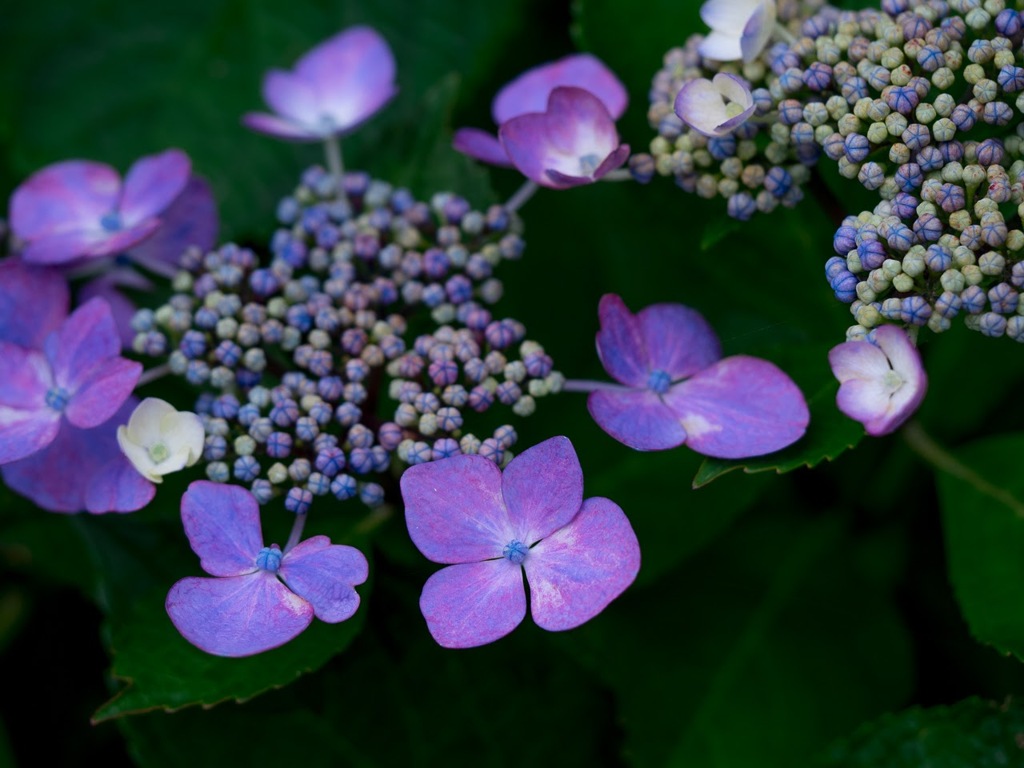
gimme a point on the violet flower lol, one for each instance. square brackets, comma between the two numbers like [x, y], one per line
[715, 107]
[493, 527]
[677, 389]
[740, 29]
[261, 597]
[881, 380]
[572, 142]
[530, 92]
[333, 88]
[79, 209]
[33, 302]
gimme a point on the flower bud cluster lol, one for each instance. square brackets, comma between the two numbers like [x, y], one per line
[369, 294]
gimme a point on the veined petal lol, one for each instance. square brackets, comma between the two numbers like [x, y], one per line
[222, 523]
[739, 407]
[99, 396]
[239, 615]
[529, 92]
[454, 509]
[325, 574]
[33, 302]
[106, 288]
[152, 184]
[678, 340]
[473, 604]
[620, 343]
[543, 489]
[758, 30]
[64, 197]
[27, 424]
[575, 572]
[482, 146]
[637, 418]
[62, 247]
[86, 338]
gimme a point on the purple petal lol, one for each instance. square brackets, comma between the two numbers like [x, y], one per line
[620, 343]
[65, 246]
[222, 523]
[353, 74]
[237, 616]
[758, 30]
[637, 418]
[87, 337]
[279, 128]
[529, 92]
[325, 574]
[482, 146]
[702, 104]
[574, 573]
[292, 97]
[33, 302]
[63, 197]
[678, 340]
[27, 424]
[191, 220]
[107, 288]
[454, 509]
[152, 184]
[102, 393]
[473, 603]
[739, 407]
[543, 489]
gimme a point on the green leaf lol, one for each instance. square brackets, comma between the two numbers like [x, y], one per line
[982, 494]
[970, 734]
[828, 435]
[717, 229]
[754, 653]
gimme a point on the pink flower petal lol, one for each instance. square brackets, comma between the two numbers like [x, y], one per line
[99, 396]
[237, 616]
[64, 197]
[454, 509]
[637, 418]
[543, 489]
[482, 146]
[279, 127]
[325, 574]
[65, 246]
[574, 573]
[677, 339]
[292, 96]
[739, 407]
[27, 424]
[33, 302]
[529, 92]
[222, 523]
[152, 184]
[473, 603]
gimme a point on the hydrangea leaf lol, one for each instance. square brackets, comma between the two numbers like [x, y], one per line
[974, 732]
[717, 229]
[982, 498]
[828, 435]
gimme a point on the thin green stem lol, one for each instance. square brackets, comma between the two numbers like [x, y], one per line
[332, 148]
[153, 374]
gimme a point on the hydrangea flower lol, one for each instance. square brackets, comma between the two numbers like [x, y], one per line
[530, 92]
[492, 527]
[78, 374]
[740, 29]
[260, 597]
[33, 302]
[715, 107]
[79, 209]
[572, 142]
[159, 439]
[881, 380]
[333, 88]
[678, 389]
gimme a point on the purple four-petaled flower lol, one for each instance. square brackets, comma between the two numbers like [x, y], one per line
[261, 597]
[492, 527]
[333, 88]
[678, 388]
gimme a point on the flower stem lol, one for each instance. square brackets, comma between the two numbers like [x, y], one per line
[153, 374]
[619, 174]
[296, 534]
[332, 147]
[584, 385]
[522, 194]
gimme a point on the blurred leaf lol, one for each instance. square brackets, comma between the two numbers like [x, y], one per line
[982, 496]
[828, 435]
[756, 652]
[717, 229]
[970, 734]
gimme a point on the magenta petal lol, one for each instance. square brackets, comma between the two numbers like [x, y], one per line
[620, 343]
[23, 433]
[543, 489]
[191, 220]
[574, 573]
[454, 509]
[482, 146]
[613, 161]
[280, 128]
[151, 184]
[237, 616]
[27, 424]
[65, 246]
[63, 197]
[473, 603]
[117, 487]
[739, 407]
[291, 96]
[101, 395]
[33, 302]
[87, 337]
[637, 418]
[678, 340]
[222, 523]
[529, 92]
[325, 574]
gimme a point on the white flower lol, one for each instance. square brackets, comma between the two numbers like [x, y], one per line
[715, 107]
[159, 439]
[740, 29]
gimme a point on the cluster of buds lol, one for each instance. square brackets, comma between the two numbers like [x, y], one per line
[370, 294]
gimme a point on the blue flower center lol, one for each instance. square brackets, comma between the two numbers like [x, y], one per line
[589, 164]
[658, 381]
[111, 222]
[57, 398]
[515, 551]
[269, 559]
